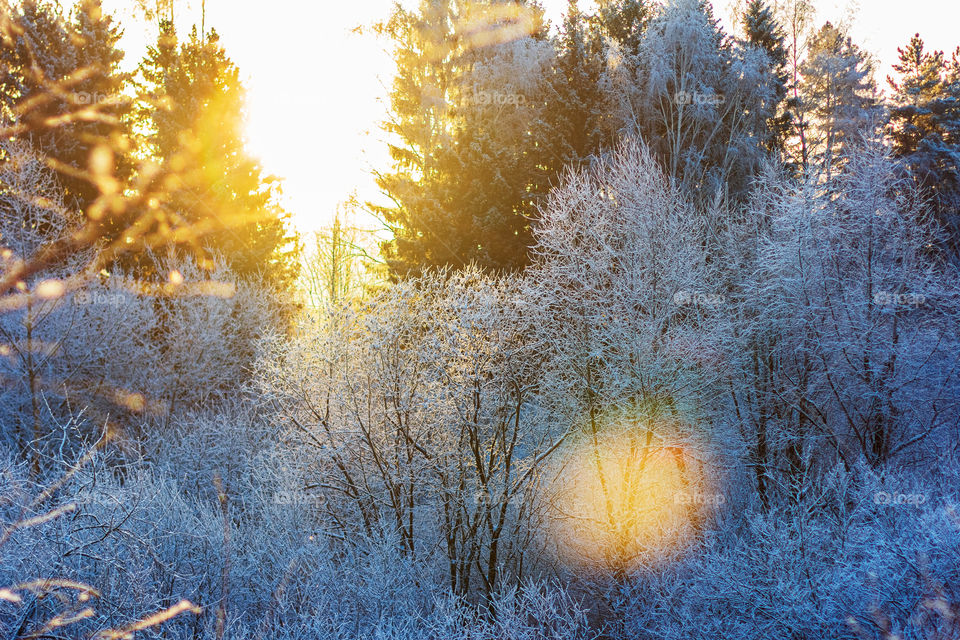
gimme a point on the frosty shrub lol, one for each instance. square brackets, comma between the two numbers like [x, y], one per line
[416, 413]
[840, 565]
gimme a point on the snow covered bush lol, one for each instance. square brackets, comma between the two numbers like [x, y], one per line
[414, 418]
[845, 563]
[261, 566]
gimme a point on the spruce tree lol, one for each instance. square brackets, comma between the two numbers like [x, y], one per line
[924, 130]
[469, 137]
[579, 112]
[624, 22]
[425, 54]
[191, 110]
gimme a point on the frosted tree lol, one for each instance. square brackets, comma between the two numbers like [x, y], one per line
[624, 22]
[63, 353]
[25, 226]
[864, 322]
[838, 91]
[418, 422]
[695, 101]
[624, 294]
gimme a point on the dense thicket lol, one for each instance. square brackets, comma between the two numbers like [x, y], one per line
[671, 349]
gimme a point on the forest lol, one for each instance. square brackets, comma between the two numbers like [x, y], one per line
[658, 336]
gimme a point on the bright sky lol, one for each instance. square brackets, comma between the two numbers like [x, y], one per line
[316, 89]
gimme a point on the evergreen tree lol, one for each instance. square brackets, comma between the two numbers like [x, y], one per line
[922, 82]
[80, 53]
[762, 30]
[469, 134]
[502, 137]
[425, 55]
[838, 90]
[192, 111]
[623, 22]
[924, 129]
[579, 112]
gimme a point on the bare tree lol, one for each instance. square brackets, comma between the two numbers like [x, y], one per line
[865, 320]
[626, 293]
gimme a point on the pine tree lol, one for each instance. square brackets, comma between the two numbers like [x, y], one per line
[921, 83]
[838, 90]
[192, 111]
[924, 129]
[762, 30]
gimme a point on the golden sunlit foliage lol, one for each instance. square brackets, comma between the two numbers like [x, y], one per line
[116, 233]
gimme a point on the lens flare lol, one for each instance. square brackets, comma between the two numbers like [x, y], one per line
[486, 25]
[629, 499]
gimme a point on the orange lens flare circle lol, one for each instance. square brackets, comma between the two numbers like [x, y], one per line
[628, 500]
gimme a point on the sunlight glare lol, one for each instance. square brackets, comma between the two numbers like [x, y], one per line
[626, 501]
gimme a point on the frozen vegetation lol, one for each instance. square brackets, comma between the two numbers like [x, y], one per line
[665, 342]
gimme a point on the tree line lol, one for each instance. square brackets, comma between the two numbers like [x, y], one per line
[483, 125]
[181, 107]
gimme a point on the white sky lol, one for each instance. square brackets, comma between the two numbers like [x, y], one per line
[315, 89]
